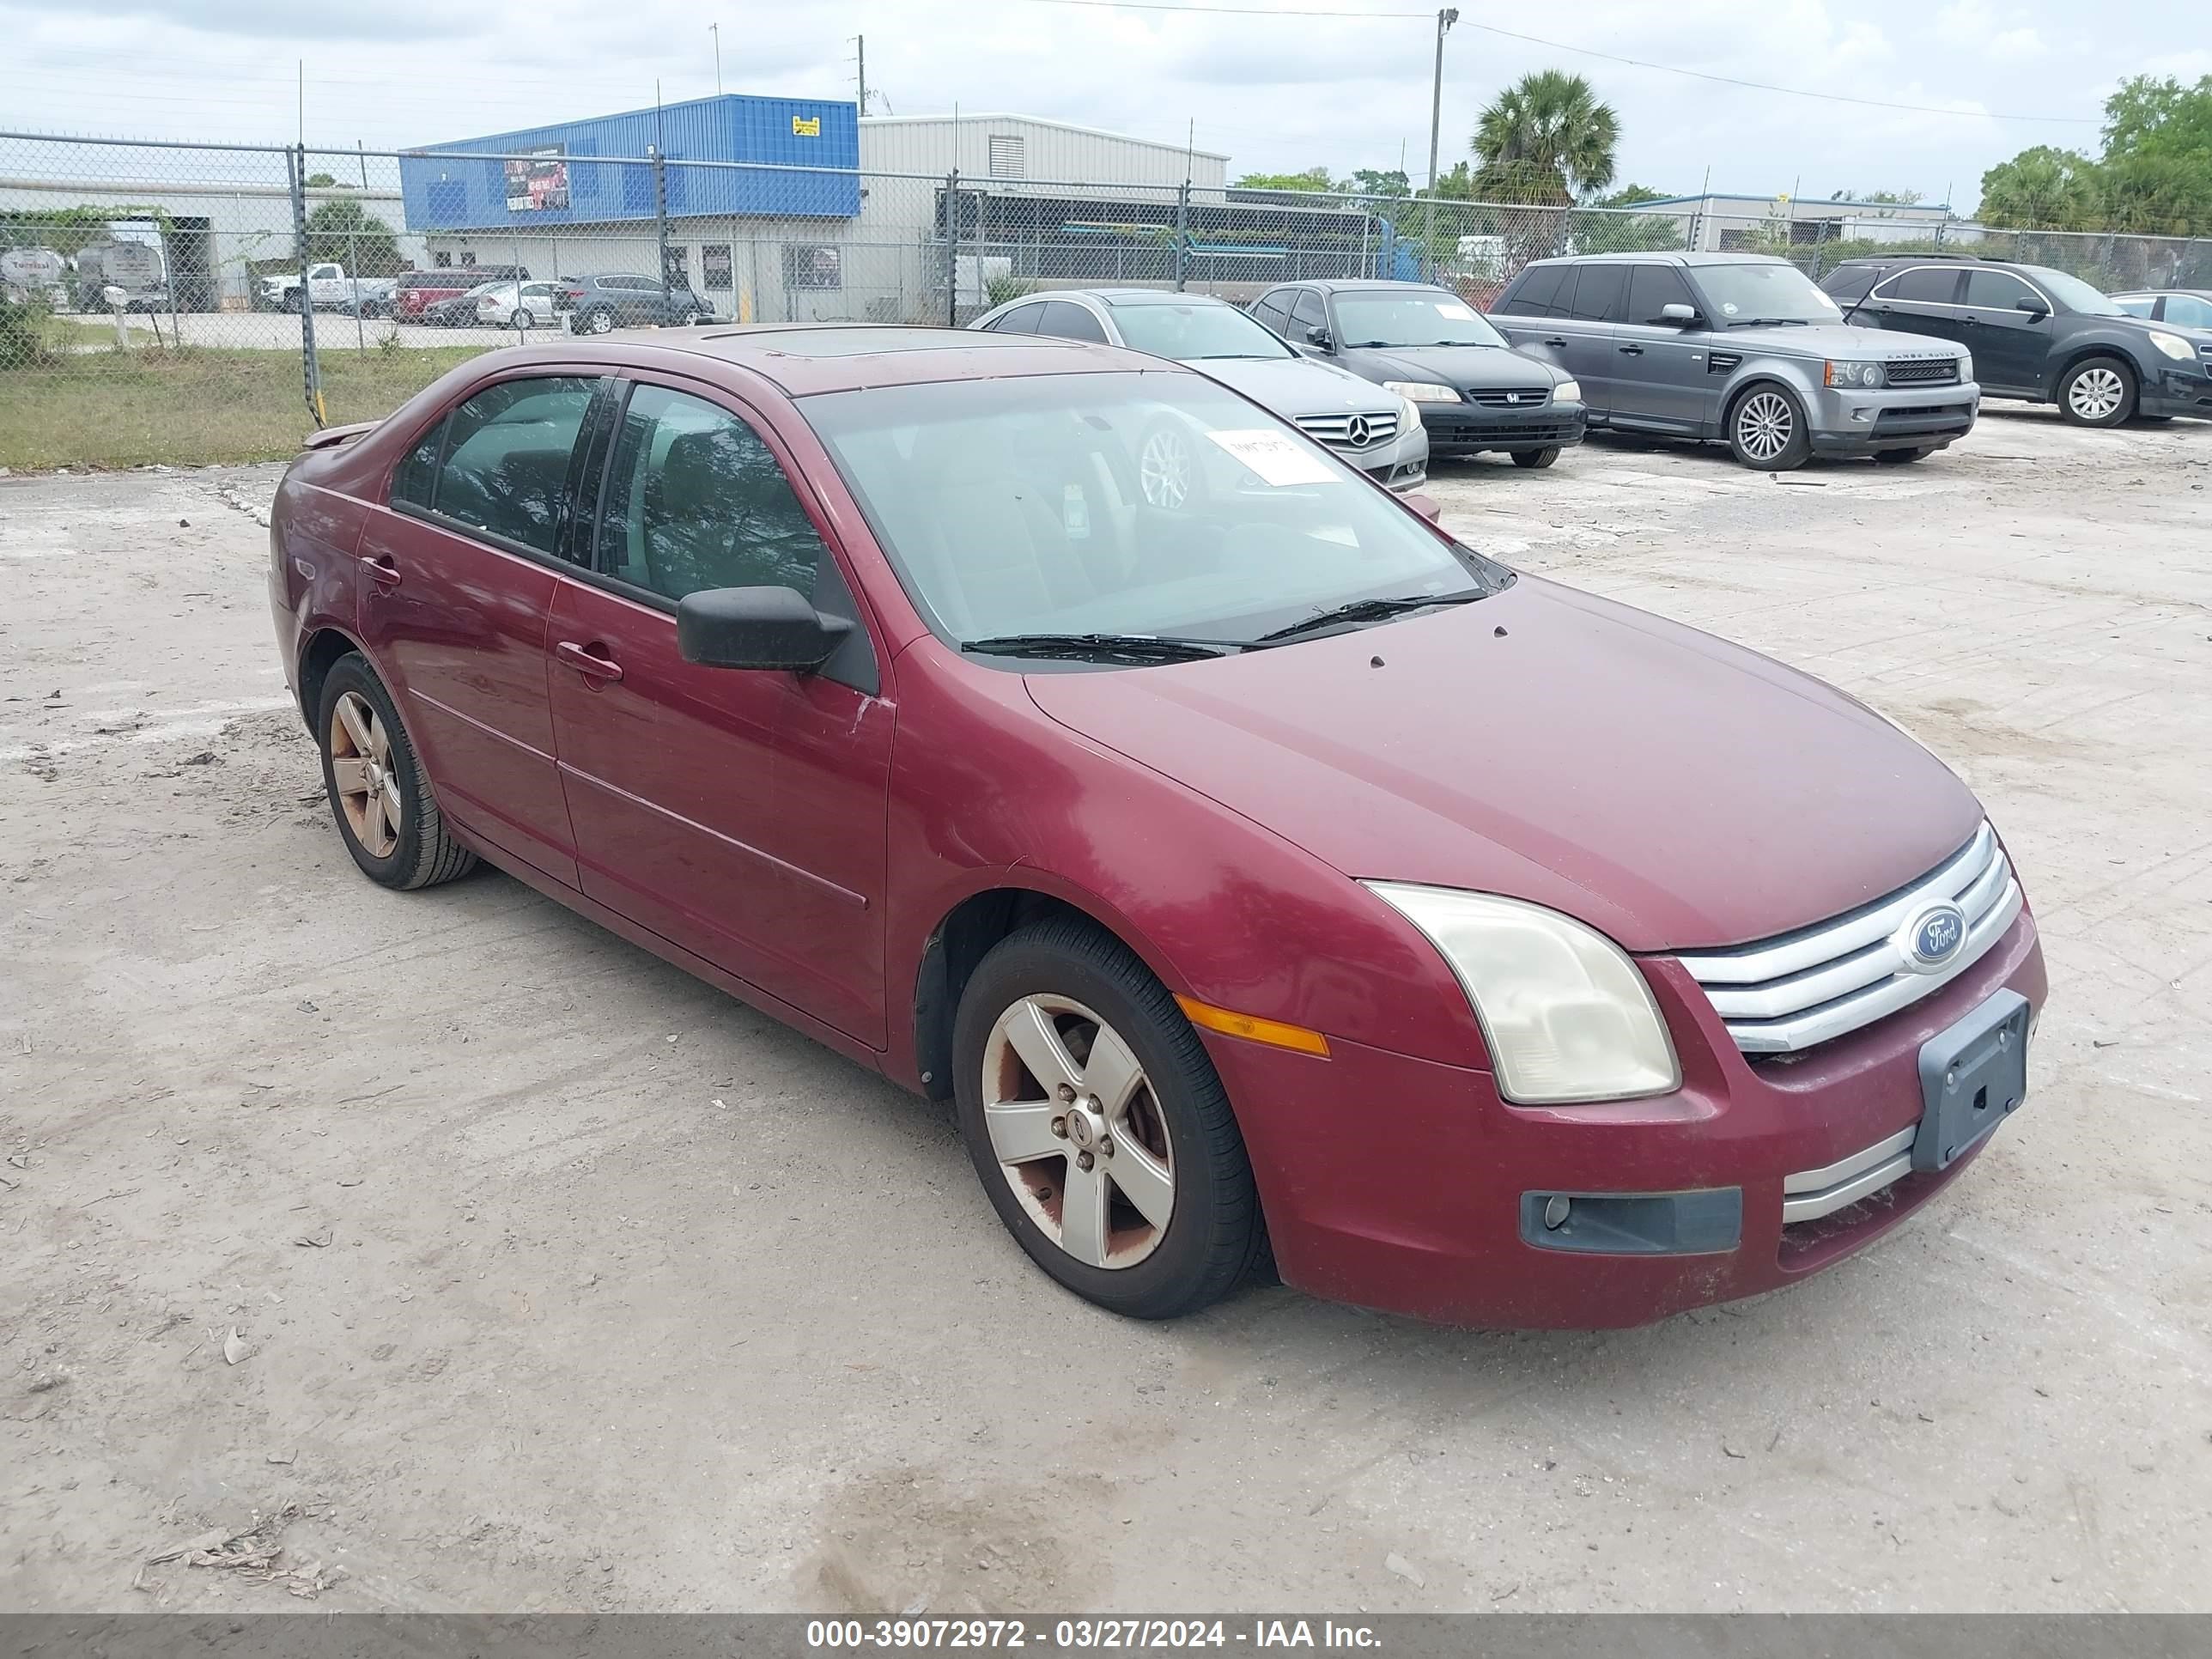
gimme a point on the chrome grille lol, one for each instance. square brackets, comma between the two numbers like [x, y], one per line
[1923, 370]
[1338, 432]
[1520, 396]
[1785, 995]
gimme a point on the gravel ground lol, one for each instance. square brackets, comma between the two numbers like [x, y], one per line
[482, 1261]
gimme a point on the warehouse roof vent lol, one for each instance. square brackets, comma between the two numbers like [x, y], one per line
[1007, 159]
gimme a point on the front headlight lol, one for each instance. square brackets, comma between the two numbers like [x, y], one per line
[1966, 368]
[1854, 374]
[1567, 391]
[2172, 345]
[1422, 391]
[1565, 1014]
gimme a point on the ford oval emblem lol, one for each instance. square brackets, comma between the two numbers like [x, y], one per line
[1936, 936]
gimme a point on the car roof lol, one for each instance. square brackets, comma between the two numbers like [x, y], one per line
[2155, 293]
[1663, 259]
[804, 360]
[1354, 285]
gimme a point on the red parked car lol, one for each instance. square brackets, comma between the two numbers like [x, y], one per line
[1258, 870]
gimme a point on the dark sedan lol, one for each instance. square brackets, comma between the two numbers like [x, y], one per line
[1263, 875]
[615, 299]
[1475, 391]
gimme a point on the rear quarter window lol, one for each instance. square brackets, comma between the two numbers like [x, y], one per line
[1850, 283]
[1535, 291]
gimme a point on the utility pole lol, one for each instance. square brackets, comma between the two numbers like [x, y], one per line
[860, 47]
[303, 110]
[1446, 18]
[715, 29]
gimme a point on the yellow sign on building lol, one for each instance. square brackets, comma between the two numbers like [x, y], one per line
[806, 127]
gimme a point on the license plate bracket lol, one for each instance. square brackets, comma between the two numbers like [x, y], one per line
[1973, 1075]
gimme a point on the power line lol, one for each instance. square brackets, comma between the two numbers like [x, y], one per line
[1561, 45]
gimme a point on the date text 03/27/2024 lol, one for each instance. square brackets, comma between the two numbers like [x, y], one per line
[1076, 1635]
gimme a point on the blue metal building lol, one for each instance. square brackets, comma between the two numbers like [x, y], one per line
[596, 171]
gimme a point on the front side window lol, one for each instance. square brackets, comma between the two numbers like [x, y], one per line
[1144, 503]
[1996, 290]
[1421, 317]
[2141, 306]
[2188, 311]
[1745, 295]
[2071, 292]
[507, 453]
[1306, 313]
[1652, 289]
[1195, 332]
[694, 499]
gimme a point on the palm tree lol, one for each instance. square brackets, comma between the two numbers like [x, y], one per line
[1545, 139]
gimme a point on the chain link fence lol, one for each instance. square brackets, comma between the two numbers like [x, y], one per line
[189, 303]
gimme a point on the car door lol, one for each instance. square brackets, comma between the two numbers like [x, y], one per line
[1593, 312]
[737, 813]
[1919, 300]
[537, 299]
[2010, 346]
[461, 570]
[1663, 377]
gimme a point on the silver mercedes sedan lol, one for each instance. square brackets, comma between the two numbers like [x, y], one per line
[1375, 430]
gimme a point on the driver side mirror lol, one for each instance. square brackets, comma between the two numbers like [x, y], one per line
[1318, 339]
[755, 628]
[2034, 307]
[1426, 506]
[1679, 315]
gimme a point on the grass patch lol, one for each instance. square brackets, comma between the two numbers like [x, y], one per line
[198, 407]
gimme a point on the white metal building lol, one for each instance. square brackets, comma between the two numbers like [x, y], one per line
[1725, 220]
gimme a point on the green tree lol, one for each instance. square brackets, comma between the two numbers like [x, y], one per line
[2043, 188]
[2154, 178]
[1882, 198]
[1628, 196]
[1547, 139]
[350, 235]
[2149, 117]
[1311, 179]
[1369, 182]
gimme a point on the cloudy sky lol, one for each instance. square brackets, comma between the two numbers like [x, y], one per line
[1280, 88]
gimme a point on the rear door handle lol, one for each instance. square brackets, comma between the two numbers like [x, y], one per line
[1970, 322]
[1633, 351]
[384, 573]
[1556, 341]
[589, 664]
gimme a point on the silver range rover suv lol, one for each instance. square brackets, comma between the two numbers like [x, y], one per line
[1738, 349]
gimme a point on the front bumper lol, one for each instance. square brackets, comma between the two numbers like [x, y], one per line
[2179, 389]
[1402, 1183]
[1399, 465]
[1904, 417]
[1465, 429]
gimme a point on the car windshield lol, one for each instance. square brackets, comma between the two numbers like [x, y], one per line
[1134, 503]
[2071, 292]
[1191, 333]
[1742, 295]
[1427, 316]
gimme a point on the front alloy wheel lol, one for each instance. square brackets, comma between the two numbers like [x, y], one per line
[362, 778]
[1767, 430]
[1076, 1131]
[2098, 392]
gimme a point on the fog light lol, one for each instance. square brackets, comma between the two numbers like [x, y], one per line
[1862, 414]
[1555, 1212]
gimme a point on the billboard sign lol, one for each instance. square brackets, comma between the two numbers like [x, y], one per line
[538, 181]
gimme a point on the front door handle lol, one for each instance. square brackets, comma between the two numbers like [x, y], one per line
[1970, 322]
[384, 573]
[1556, 341]
[590, 664]
[1633, 351]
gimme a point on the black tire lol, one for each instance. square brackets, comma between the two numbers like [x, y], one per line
[1535, 458]
[2081, 392]
[1215, 1238]
[693, 319]
[1764, 413]
[598, 320]
[525, 318]
[1901, 457]
[292, 301]
[425, 854]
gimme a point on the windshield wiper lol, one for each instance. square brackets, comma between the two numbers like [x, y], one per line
[1371, 345]
[1770, 322]
[1360, 611]
[1102, 648]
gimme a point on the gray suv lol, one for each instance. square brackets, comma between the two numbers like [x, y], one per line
[1738, 349]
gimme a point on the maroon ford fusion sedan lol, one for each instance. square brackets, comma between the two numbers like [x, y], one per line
[1258, 869]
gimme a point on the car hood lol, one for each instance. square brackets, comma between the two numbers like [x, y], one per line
[2196, 337]
[1297, 386]
[1834, 340]
[1458, 366]
[1672, 790]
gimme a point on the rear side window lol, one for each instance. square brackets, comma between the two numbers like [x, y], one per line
[1925, 284]
[1850, 283]
[1650, 288]
[1537, 292]
[1022, 319]
[1272, 311]
[507, 453]
[696, 500]
[1071, 322]
[1598, 292]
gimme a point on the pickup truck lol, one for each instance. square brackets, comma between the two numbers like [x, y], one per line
[328, 288]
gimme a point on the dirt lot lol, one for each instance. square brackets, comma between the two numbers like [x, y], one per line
[558, 1280]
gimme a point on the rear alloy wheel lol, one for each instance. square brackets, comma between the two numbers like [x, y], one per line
[1766, 429]
[1533, 459]
[2098, 392]
[599, 321]
[385, 813]
[1099, 1125]
[525, 320]
[1165, 466]
[693, 319]
[1901, 457]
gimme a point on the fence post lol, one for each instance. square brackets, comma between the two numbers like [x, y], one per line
[1182, 236]
[311, 368]
[953, 249]
[353, 281]
[660, 219]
